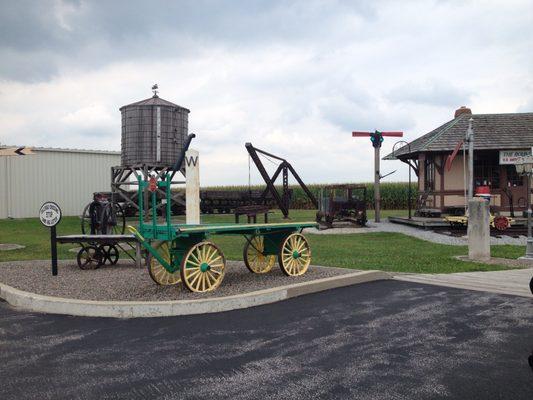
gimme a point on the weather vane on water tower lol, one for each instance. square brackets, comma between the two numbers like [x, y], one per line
[155, 89]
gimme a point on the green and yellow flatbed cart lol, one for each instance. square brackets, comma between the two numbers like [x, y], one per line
[183, 253]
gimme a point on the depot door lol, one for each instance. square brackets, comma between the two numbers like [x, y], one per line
[515, 190]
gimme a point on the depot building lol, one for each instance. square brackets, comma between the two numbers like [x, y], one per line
[499, 139]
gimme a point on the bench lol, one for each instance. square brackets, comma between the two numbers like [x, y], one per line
[251, 213]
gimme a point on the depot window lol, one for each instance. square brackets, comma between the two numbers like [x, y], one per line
[487, 170]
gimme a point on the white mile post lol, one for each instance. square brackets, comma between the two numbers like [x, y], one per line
[478, 229]
[192, 188]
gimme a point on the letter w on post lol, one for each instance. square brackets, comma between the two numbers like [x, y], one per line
[191, 161]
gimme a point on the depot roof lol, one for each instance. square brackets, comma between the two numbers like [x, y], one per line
[491, 132]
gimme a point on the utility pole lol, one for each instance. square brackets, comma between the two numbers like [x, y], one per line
[470, 139]
[377, 194]
[376, 138]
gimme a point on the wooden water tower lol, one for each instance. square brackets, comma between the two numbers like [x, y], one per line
[154, 133]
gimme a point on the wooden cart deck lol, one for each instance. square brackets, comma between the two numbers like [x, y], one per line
[241, 228]
[175, 231]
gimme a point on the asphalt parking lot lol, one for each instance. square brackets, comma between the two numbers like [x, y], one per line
[380, 340]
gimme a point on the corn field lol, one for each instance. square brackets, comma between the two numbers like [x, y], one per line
[393, 194]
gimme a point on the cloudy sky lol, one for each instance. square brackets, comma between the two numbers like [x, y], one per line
[292, 77]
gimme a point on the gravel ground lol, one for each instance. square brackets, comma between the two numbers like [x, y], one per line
[126, 282]
[428, 235]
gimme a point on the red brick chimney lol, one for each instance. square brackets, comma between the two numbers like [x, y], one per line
[462, 110]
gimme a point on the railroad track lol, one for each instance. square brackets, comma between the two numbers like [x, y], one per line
[512, 231]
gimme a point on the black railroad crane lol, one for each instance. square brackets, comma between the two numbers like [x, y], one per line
[283, 200]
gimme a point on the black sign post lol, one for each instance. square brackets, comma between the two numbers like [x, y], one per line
[50, 216]
[53, 249]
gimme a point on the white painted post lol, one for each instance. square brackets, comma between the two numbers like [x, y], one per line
[478, 229]
[192, 187]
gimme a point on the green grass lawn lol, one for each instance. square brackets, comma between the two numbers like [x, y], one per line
[385, 251]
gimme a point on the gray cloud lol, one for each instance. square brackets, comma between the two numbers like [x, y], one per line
[349, 117]
[29, 26]
[436, 92]
[89, 34]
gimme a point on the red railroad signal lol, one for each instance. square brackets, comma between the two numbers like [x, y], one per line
[376, 137]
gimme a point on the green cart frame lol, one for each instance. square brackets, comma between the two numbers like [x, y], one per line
[183, 253]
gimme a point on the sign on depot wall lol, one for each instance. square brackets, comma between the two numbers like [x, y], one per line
[513, 156]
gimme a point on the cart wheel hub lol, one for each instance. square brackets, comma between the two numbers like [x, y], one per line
[295, 254]
[204, 267]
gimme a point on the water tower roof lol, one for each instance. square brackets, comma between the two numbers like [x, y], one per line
[154, 101]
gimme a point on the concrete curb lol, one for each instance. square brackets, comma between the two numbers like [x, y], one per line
[139, 309]
[489, 287]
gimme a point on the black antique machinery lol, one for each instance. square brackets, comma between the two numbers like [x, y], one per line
[227, 201]
[102, 217]
[283, 199]
[342, 203]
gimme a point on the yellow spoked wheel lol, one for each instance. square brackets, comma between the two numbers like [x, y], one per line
[295, 255]
[253, 256]
[203, 267]
[158, 273]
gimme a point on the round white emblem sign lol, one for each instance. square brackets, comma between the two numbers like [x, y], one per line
[50, 214]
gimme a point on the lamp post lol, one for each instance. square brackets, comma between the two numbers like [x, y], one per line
[409, 189]
[525, 167]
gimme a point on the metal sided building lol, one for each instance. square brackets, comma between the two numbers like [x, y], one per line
[67, 176]
[498, 140]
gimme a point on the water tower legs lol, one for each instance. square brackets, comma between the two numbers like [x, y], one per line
[124, 187]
